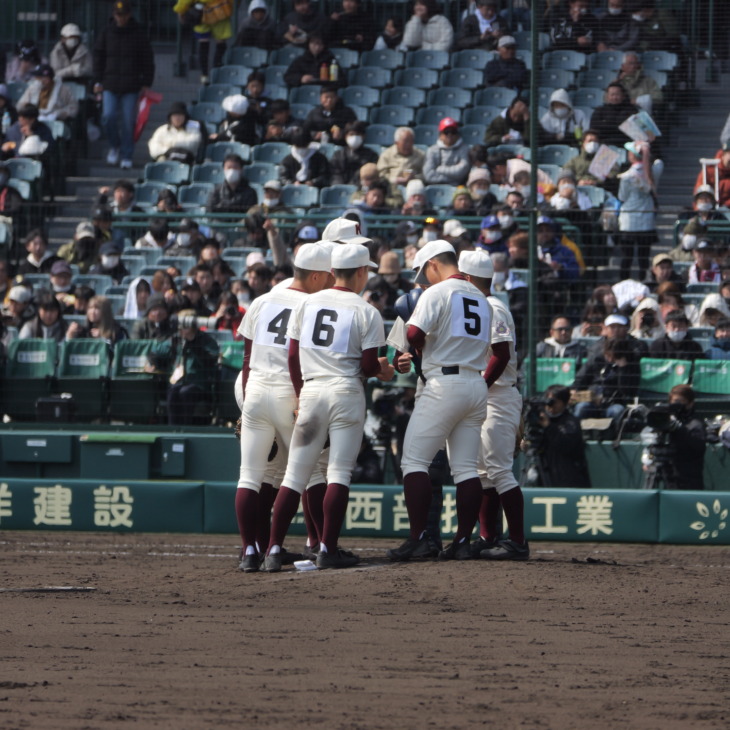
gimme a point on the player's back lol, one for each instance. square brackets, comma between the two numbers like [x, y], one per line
[456, 318]
[333, 328]
[265, 325]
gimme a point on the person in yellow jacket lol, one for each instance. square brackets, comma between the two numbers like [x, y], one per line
[215, 23]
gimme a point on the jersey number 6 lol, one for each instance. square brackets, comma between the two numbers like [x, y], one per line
[323, 333]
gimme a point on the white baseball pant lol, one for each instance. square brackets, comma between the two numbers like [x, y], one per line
[499, 433]
[334, 406]
[451, 408]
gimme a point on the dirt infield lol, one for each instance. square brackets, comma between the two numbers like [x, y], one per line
[174, 636]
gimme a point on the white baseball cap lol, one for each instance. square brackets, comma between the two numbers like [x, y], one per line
[70, 30]
[415, 187]
[616, 319]
[255, 257]
[352, 256]
[344, 230]
[313, 257]
[453, 228]
[431, 249]
[506, 40]
[272, 185]
[20, 294]
[476, 263]
[235, 104]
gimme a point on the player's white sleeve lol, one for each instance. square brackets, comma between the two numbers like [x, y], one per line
[373, 333]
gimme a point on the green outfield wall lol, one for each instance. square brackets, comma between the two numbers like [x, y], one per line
[597, 515]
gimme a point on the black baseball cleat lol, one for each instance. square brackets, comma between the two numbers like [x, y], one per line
[272, 563]
[457, 551]
[337, 559]
[310, 553]
[421, 548]
[288, 558]
[507, 550]
[480, 544]
[250, 563]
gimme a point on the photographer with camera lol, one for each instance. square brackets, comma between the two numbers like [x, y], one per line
[555, 435]
[193, 356]
[676, 454]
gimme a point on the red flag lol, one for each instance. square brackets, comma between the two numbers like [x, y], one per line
[143, 113]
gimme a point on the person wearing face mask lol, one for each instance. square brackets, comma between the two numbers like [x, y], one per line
[702, 213]
[506, 217]
[62, 286]
[705, 268]
[158, 235]
[658, 29]
[720, 341]
[580, 164]
[70, 57]
[616, 32]
[189, 240]
[568, 196]
[478, 184]
[431, 231]
[676, 343]
[562, 124]
[234, 194]
[346, 162]
[687, 442]
[304, 165]
[491, 238]
[574, 28]
[110, 263]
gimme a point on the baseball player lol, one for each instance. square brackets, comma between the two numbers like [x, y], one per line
[334, 341]
[403, 359]
[269, 399]
[451, 327]
[499, 430]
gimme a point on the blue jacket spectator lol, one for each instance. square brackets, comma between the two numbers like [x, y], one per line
[720, 343]
[553, 253]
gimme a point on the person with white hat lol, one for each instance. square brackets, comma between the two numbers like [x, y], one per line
[240, 124]
[334, 340]
[500, 428]
[269, 400]
[70, 57]
[507, 70]
[451, 327]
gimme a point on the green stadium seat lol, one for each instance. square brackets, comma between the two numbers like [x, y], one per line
[386, 58]
[208, 172]
[209, 113]
[483, 115]
[597, 78]
[596, 194]
[419, 78]
[247, 56]
[299, 196]
[399, 116]
[215, 93]
[660, 375]
[381, 134]
[360, 95]
[133, 394]
[463, 78]
[372, 76]
[284, 56]
[346, 58]
[218, 150]
[308, 94]
[24, 168]
[426, 134]
[272, 152]
[701, 288]
[432, 115]
[336, 195]
[556, 154]
[261, 172]
[525, 56]
[405, 96]
[450, 96]
[23, 187]
[660, 77]
[168, 172]
[567, 60]
[659, 60]
[29, 375]
[195, 194]
[83, 371]
[471, 58]
[440, 196]
[611, 60]
[427, 59]
[472, 133]
[230, 76]
[494, 96]
[558, 78]
[147, 193]
[274, 76]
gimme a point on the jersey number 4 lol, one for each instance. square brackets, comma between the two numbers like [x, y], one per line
[278, 326]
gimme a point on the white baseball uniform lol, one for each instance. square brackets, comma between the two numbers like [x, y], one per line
[499, 430]
[456, 318]
[270, 402]
[333, 328]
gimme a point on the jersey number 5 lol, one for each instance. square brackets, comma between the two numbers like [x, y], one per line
[472, 321]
